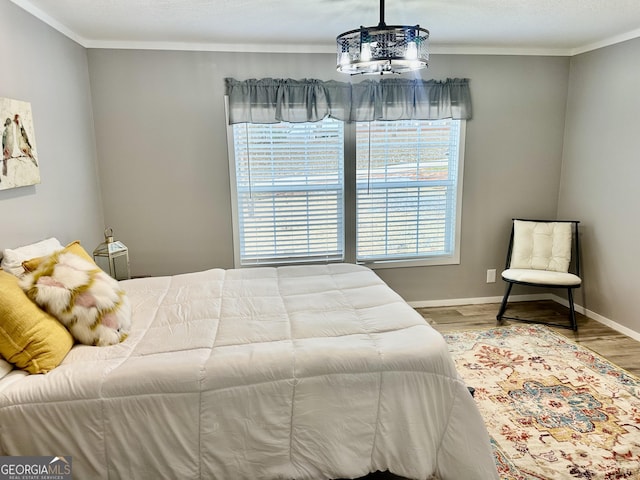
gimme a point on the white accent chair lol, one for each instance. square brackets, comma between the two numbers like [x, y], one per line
[540, 254]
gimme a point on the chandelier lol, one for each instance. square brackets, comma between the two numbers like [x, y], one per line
[383, 49]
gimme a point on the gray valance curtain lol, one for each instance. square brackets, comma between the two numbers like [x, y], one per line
[272, 100]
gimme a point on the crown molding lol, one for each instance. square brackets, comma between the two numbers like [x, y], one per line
[52, 22]
[623, 37]
[436, 49]
[209, 47]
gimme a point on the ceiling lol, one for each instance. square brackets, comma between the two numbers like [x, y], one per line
[536, 27]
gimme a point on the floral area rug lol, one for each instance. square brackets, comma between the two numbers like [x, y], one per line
[554, 410]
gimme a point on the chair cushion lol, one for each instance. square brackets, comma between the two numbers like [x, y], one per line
[541, 277]
[541, 245]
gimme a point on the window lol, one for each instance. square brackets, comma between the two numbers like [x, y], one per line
[407, 189]
[289, 192]
[293, 197]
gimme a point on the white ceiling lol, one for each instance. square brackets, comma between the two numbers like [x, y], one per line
[551, 27]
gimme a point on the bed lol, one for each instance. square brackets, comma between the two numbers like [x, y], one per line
[302, 372]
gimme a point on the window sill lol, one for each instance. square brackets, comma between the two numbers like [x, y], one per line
[423, 262]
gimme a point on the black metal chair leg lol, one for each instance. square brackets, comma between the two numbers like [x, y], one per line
[572, 311]
[503, 306]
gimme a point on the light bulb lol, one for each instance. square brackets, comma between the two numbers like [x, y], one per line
[412, 51]
[365, 52]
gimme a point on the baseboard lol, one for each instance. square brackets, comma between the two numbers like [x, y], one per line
[598, 318]
[452, 302]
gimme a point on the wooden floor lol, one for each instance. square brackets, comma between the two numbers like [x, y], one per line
[614, 346]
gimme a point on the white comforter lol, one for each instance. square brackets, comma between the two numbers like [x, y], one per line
[296, 372]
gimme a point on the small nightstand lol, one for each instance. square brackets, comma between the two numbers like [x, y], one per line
[113, 257]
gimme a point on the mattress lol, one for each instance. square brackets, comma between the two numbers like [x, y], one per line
[305, 372]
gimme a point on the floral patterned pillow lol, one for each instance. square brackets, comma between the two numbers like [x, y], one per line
[86, 300]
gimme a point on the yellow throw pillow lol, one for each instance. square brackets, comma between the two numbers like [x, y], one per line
[30, 338]
[73, 247]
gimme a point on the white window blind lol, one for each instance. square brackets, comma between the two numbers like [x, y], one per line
[407, 189]
[289, 191]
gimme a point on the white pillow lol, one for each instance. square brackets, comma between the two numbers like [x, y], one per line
[5, 367]
[12, 258]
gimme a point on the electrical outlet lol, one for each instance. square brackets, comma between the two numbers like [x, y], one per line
[491, 275]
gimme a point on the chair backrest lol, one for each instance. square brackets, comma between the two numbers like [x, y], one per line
[543, 245]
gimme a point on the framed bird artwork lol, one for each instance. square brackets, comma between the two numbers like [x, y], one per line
[20, 164]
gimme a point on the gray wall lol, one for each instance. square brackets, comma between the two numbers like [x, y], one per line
[600, 176]
[162, 158]
[163, 165]
[45, 68]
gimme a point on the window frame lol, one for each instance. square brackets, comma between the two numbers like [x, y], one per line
[433, 260]
[290, 192]
[349, 213]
